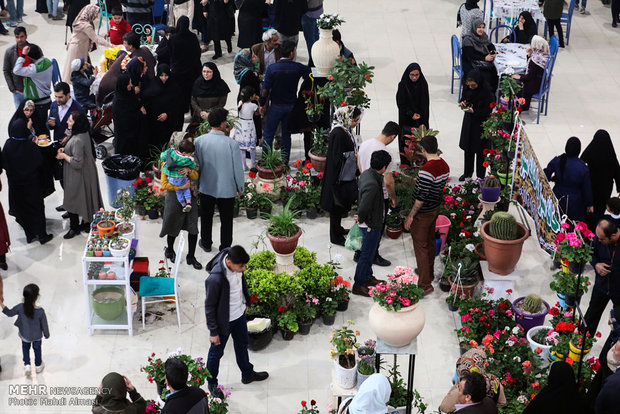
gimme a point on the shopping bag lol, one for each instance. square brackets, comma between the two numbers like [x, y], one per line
[354, 238]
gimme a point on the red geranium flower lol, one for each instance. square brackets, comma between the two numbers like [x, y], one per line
[252, 174]
[492, 105]
[485, 164]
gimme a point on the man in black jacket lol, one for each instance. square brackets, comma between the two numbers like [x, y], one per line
[225, 306]
[370, 212]
[183, 399]
[472, 395]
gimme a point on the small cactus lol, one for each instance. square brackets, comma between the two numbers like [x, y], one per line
[532, 303]
[503, 226]
[490, 182]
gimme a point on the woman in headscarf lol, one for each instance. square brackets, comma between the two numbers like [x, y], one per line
[129, 120]
[82, 38]
[600, 156]
[220, 24]
[524, 30]
[535, 70]
[184, 59]
[479, 53]
[112, 397]
[474, 360]
[136, 69]
[209, 91]
[468, 12]
[475, 103]
[162, 108]
[22, 161]
[572, 188]
[250, 21]
[561, 394]
[339, 190]
[26, 111]
[371, 398]
[412, 99]
[82, 196]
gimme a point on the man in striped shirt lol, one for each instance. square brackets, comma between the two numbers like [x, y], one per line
[421, 220]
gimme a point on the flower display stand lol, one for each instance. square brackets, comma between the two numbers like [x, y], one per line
[486, 206]
[411, 350]
[284, 263]
[499, 283]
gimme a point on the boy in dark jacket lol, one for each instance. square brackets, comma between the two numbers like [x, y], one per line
[183, 399]
[82, 77]
[370, 212]
[226, 302]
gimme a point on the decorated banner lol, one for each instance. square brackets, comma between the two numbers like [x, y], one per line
[534, 192]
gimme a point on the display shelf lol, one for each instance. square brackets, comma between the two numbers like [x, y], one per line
[97, 323]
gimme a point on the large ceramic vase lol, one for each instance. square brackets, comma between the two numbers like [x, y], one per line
[325, 52]
[284, 245]
[399, 328]
[503, 255]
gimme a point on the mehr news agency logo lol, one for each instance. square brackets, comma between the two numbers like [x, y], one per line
[40, 395]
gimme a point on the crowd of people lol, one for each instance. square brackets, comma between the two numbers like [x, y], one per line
[154, 95]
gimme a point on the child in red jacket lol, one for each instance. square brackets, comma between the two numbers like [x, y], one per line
[118, 27]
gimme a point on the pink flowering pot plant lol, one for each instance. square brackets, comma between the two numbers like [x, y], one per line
[575, 246]
[395, 316]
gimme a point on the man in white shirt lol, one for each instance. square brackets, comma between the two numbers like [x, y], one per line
[388, 134]
[226, 302]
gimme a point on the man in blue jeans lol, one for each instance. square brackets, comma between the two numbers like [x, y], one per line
[308, 24]
[225, 306]
[370, 212]
[280, 87]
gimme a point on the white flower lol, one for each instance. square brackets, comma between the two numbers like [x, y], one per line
[516, 330]
[249, 195]
[508, 71]
[517, 358]
[470, 247]
[338, 258]
[477, 233]
[189, 377]
[468, 218]
[461, 234]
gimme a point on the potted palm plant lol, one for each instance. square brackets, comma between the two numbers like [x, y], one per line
[270, 164]
[283, 231]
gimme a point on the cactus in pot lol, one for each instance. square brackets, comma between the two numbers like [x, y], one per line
[490, 182]
[503, 226]
[532, 303]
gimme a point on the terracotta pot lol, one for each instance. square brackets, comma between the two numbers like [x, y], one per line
[397, 329]
[325, 52]
[393, 233]
[479, 250]
[503, 255]
[318, 162]
[468, 290]
[269, 174]
[284, 245]
[105, 227]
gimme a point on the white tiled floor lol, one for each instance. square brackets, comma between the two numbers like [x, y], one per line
[388, 35]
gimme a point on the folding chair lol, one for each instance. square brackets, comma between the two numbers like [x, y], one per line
[456, 65]
[543, 94]
[103, 14]
[509, 30]
[156, 288]
[55, 72]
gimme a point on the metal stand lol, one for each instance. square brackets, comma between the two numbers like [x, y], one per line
[411, 350]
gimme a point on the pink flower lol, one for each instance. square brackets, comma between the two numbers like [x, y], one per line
[392, 293]
[405, 301]
[491, 312]
[565, 225]
[509, 312]
[388, 299]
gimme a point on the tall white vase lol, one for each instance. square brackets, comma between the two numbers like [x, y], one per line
[325, 52]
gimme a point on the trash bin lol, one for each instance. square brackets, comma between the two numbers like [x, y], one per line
[120, 171]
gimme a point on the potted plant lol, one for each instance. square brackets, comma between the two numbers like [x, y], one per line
[346, 82]
[312, 409]
[105, 227]
[340, 292]
[306, 312]
[250, 200]
[565, 285]
[469, 275]
[454, 301]
[125, 212]
[108, 302]
[287, 322]
[265, 203]
[219, 405]
[530, 311]
[344, 343]
[318, 152]
[393, 225]
[365, 361]
[119, 247]
[575, 246]
[396, 318]
[153, 407]
[283, 232]
[260, 330]
[328, 311]
[324, 53]
[270, 164]
[580, 345]
[152, 204]
[503, 242]
[314, 104]
[490, 189]
[541, 339]
[155, 370]
[399, 398]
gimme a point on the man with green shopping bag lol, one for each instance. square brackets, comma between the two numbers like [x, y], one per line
[370, 212]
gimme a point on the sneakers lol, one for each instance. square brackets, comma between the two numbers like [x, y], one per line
[582, 10]
[11, 23]
[39, 368]
[187, 208]
[27, 370]
[256, 376]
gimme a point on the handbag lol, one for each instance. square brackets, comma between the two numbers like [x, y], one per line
[482, 65]
[348, 167]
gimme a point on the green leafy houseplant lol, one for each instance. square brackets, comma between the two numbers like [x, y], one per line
[398, 397]
[346, 84]
[283, 224]
[231, 123]
[305, 310]
[272, 290]
[567, 283]
[127, 204]
[262, 260]
[344, 343]
[329, 21]
[197, 369]
[316, 280]
[303, 258]
[319, 144]
[287, 319]
[271, 159]
[329, 306]
[394, 220]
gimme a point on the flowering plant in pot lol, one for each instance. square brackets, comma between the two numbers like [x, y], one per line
[579, 342]
[329, 21]
[315, 280]
[565, 284]
[481, 315]
[287, 322]
[162, 271]
[366, 360]
[197, 369]
[152, 407]
[530, 311]
[219, 405]
[314, 105]
[328, 310]
[127, 204]
[305, 309]
[340, 292]
[400, 290]
[344, 343]
[346, 82]
[575, 246]
[309, 409]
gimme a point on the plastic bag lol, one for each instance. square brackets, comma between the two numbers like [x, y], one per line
[123, 167]
[354, 238]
